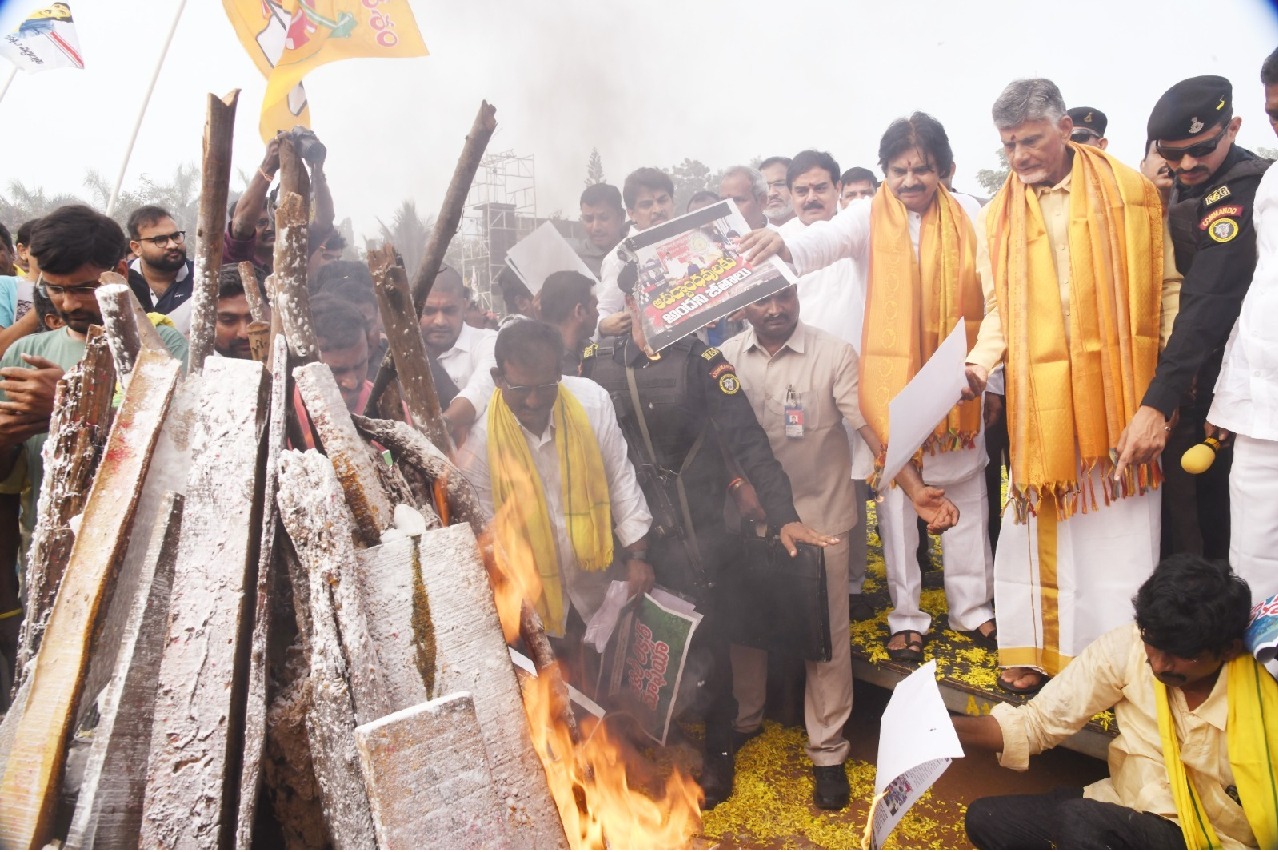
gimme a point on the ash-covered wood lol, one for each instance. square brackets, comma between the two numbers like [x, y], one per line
[108, 812]
[215, 183]
[193, 773]
[351, 457]
[291, 300]
[389, 584]
[253, 291]
[77, 434]
[34, 769]
[428, 776]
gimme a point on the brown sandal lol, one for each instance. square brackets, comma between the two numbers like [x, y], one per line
[913, 650]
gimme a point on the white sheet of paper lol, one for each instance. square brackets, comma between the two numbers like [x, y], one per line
[541, 253]
[922, 403]
[917, 741]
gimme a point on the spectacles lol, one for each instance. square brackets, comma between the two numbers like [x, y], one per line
[85, 289]
[777, 184]
[162, 240]
[1202, 149]
[520, 393]
[1081, 136]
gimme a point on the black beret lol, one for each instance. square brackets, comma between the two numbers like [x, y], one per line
[1190, 107]
[1091, 118]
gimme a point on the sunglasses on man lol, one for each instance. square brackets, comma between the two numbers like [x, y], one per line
[1202, 149]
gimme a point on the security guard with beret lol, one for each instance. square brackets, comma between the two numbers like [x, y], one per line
[690, 427]
[1210, 221]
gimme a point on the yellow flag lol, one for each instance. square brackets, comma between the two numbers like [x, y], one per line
[287, 38]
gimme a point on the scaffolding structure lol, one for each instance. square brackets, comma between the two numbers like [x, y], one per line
[501, 209]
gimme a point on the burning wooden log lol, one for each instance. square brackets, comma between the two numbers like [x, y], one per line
[77, 434]
[108, 812]
[215, 182]
[428, 776]
[450, 213]
[32, 774]
[192, 773]
[351, 458]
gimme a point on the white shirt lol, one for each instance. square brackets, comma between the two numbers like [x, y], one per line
[611, 299]
[630, 516]
[469, 363]
[1246, 399]
[823, 245]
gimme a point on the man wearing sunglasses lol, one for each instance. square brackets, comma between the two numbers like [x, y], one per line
[161, 276]
[1210, 220]
[1089, 127]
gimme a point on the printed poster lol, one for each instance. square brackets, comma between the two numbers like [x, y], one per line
[643, 665]
[691, 274]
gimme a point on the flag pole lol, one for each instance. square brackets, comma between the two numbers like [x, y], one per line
[146, 100]
[4, 87]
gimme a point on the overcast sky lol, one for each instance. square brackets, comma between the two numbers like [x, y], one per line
[647, 83]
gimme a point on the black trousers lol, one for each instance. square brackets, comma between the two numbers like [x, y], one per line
[996, 444]
[1195, 506]
[1063, 819]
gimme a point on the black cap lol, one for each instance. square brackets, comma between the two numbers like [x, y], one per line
[1089, 117]
[1190, 107]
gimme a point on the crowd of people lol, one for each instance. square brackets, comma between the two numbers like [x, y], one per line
[1114, 316]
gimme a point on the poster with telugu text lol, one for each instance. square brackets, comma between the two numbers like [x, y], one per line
[643, 665]
[690, 273]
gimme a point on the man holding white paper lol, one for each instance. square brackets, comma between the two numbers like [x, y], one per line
[918, 243]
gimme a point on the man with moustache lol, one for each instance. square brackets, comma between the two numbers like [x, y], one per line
[1192, 766]
[604, 220]
[1081, 532]
[910, 229]
[778, 209]
[858, 182]
[648, 194]
[749, 189]
[465, 352]
[161, 276]
[1209, 215]
[230, 333]
[1089, 126]
[549, 466]
[73, 246]
[786, 368]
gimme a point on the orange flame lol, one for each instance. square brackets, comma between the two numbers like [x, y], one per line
[599, 786]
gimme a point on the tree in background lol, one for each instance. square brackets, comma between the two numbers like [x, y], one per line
[179, 194]
[594, 169]
[408, 232]
[689, 177]
[992, 180]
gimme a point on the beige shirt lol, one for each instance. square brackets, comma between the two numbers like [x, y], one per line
[1112, 671]
[822, 372]
[1053, 201]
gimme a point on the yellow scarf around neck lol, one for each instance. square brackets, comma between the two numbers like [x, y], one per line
[1251, 735]
[1071, 395]
[913, 303]
[521, 512]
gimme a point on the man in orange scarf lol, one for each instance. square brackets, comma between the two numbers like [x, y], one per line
[919, 244]
[1072, 256]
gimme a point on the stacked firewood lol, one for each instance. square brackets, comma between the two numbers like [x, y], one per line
[230, 641]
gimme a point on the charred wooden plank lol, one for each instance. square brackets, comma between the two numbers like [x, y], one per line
[33, 772]
[215, 183]
[108, 812]
[351, 458]
[193, 772]
[428, 776]
[291, 300]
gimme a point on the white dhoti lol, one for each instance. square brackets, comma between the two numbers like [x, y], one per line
[1059, 584]
[1253, 515]
[965, 549]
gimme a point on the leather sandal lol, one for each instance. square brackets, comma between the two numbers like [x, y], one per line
[988, 641]
[1013, 689]
[913, 650]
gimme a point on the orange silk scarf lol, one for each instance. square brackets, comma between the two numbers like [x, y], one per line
[913, 303]
[1069, 395]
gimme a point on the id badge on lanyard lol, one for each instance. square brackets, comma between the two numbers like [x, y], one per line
[793, 414]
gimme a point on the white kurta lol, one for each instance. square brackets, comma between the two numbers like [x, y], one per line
[1246, 403]
[469, 364]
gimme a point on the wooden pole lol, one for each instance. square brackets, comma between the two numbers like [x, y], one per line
[215, 182]
[292, 300]
[399, 319]
[450, 213]
[253, 291]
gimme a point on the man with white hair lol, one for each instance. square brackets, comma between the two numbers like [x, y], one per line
[747, 187]
[1079, 535]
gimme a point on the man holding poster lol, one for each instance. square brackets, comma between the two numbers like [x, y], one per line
[919, 246]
